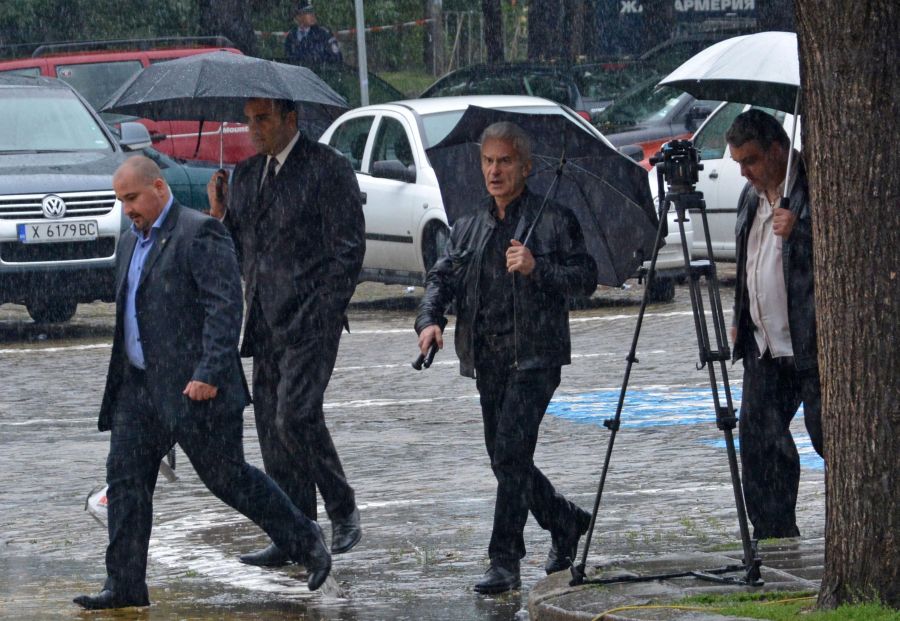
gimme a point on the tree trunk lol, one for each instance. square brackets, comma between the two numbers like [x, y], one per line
[229, 18]
[493, 30]
[544, 29]
[850, 84]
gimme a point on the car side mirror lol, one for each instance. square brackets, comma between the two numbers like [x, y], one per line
[394, 169]
[134, 136]
[633, 151]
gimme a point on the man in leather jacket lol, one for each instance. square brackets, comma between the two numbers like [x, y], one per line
[512, 336]
[774, 321]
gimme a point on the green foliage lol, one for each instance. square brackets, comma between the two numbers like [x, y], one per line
[785, 606]
[39, 21]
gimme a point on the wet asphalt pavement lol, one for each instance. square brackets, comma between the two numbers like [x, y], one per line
[412, 447]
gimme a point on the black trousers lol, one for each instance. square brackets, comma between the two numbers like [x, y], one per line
[288, 393]
[213, 441]
[513, 403]
[770, 465]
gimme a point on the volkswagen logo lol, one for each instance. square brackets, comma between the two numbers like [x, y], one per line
[53, 206]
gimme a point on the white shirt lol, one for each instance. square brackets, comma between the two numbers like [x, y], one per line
[765, 279]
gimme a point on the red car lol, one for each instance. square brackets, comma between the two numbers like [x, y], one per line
[97, 69]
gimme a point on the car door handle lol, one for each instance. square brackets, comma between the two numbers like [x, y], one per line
[714, 174]
[362, 197]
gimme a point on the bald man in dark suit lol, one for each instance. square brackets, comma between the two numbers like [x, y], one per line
[175, 377]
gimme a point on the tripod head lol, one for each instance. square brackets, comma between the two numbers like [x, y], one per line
[679, 163]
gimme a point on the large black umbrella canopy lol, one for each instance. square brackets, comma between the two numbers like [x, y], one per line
[607, 192]
[215, 87]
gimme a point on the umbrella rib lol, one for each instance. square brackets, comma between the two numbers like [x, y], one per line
[551, 163]
[606, 183]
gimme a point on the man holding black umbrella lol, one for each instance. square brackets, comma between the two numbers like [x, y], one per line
[512, 336]
[295, 214]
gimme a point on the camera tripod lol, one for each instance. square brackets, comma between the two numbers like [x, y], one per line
[679, 164]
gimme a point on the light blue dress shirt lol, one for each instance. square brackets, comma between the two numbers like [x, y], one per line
[133, 348]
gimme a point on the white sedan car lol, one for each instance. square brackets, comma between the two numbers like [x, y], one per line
[406, 227]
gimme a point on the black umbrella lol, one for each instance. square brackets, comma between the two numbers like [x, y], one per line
[609, 193]
[215, 87]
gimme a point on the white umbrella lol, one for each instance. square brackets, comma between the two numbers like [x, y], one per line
[761, 69]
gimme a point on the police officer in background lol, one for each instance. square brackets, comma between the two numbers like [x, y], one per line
[309, 44]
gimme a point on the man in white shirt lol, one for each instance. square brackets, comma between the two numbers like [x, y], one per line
[774, 329]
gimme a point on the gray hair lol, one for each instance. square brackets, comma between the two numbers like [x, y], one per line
[755, 124]
[511, 133]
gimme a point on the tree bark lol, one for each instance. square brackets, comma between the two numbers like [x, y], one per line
[493, 31]
[850, 87]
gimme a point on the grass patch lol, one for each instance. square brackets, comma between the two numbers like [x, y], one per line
[410, 83]
[785, 606]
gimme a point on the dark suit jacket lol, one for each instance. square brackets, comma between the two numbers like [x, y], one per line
[301, 252]
[189, 316]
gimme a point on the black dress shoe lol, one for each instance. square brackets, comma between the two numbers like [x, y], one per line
[317, 561]
[271, 556]
[345, 533]
[564, 548]
[499, 579]
[106, 599]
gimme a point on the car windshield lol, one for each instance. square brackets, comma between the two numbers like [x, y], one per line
[438, 124]
[98, 81]
[41, 120]
[646, 104]
[606, 81]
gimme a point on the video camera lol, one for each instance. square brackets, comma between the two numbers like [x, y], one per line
[679, 163]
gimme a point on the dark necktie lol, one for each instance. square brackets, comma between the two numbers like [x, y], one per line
[265, 190]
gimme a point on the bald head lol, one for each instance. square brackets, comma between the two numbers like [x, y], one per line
[143, 168]
[140, 187]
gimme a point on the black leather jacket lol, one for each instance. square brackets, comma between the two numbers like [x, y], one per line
[563, 268]
[797, 259]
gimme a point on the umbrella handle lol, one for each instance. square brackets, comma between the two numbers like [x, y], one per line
[220, 189]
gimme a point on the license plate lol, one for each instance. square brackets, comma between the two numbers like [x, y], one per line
[50, 232]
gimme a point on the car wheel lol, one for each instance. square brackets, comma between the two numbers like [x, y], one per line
[662, 290]
[434, 242]
[51, 310]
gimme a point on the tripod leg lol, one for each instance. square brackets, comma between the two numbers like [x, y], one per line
[726, 420]
[578, 570]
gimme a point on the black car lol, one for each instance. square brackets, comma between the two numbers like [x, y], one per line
[585, 88]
